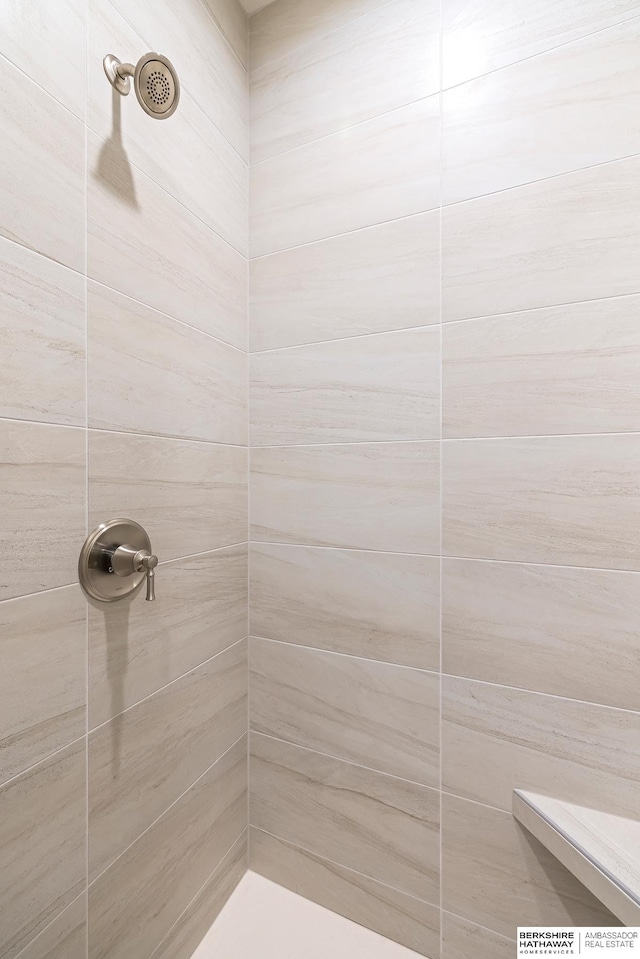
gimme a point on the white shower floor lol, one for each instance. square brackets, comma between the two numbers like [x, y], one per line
[262, 920]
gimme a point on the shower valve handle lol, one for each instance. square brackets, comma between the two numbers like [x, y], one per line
[127, 560]
[116, 557]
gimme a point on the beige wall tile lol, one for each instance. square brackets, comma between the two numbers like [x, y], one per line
[42, 325]
[366, 68]
[496, 739]
[496, 874]
[144, 243]
[479, 39]
[190, 497]
[575, 104]
[134, 649]
[565, 500]
[382, 827]
[405, 919]
[379, 496]
[42, 845]
[462, 938]
[381, 606]
[42, 190]
[379, 170]
[375, 714]
[42, 650]
[233, 22]
[531, 625]
[368, 388]
[65, 937]
[381, 278]
[134, 904]
[42, 493]
[151, 374]
[566, 369]
[562, 240]
[144, 759]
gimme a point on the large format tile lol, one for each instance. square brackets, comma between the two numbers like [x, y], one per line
[42, 325]
[497, 875]
[142, 760]
[144, 243]
[382, 606]
[190, 497]
[576, 104]
[188, 157]
[42, 493]
[375, 714]
[385, 277]
[529, 626]
[496, 739]
[134, 904]
[42, 846]
[134, 648]
[477, 39]
[565, 369]
[42, 190]
[151, 374]
[462, 938]
[368, 496]
[378, 170]
[563, 240]
[565, 500]
[380, 826]
[42, 650]
[371, 66]
[65, 937]
[368, 388]
[233, 22]
[393, 914]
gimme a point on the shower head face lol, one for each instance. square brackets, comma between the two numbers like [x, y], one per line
[157, 86]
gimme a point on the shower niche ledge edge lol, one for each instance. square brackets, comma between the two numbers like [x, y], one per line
[602, 851]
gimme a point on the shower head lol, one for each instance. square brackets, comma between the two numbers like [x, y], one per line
[154, 79]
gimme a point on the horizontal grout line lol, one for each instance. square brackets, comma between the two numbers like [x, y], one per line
[535, 436]
[473, 922]
[204, 552]
[343, 549]
[296, 446]
[333, 652]
[476, 802]
[167, 436]
[48, 93]
[227, 39]
[537, 309]
[430, 327]
[46, 759]
[33, 942]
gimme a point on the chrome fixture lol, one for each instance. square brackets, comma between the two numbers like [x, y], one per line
[154, 79]
[115, 559]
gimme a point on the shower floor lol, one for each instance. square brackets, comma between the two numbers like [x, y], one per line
[262, 920]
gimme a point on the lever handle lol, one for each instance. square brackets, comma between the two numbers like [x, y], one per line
[149, 563]
[127, 560]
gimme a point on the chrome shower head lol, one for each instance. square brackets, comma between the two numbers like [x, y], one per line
[154, 79]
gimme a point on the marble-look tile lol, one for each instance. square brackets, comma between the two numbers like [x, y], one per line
[151, 374]
[135, 649]
[42, 325]
[369, 67]
[207, 66]
[145, 758]
[188, 157]
[497, 875]
[528, 626]
[135, 903]
[42, 189]
[462, 938]
[381, 278]
[190, 497]
[385, 828]
[378, 715]
[233, 22]
[393, 914]
[188, 931]
[496, 739]
[477, 39]
[570, 108]
[564, 369]
[365, 389]
[42, 502]
[47, 42]
[378, 170]
[144, 243]
[568, 239]
[564, 500]
[42, 846]
[65, 937]
[382, 496]
[383, 606]
[42, 650]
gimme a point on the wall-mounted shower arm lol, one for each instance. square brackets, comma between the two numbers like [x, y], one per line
[154, 79]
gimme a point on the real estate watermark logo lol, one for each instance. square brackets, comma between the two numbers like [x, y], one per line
[577, 941]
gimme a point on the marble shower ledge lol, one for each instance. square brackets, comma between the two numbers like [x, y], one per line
[601, 850]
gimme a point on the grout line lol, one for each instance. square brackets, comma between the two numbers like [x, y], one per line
[224, 36]
[297, 446]
[441, 483]
[165, 436]
[333, 652]
[45, 759]
[86, 462]
[34, 942]
[537, 309]
[431, 327]
[479, 925]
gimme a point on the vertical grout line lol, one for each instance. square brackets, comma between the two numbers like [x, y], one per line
[440, 596]
[248, 187]
[86, 447]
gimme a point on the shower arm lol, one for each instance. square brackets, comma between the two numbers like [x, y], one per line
[119, 74]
